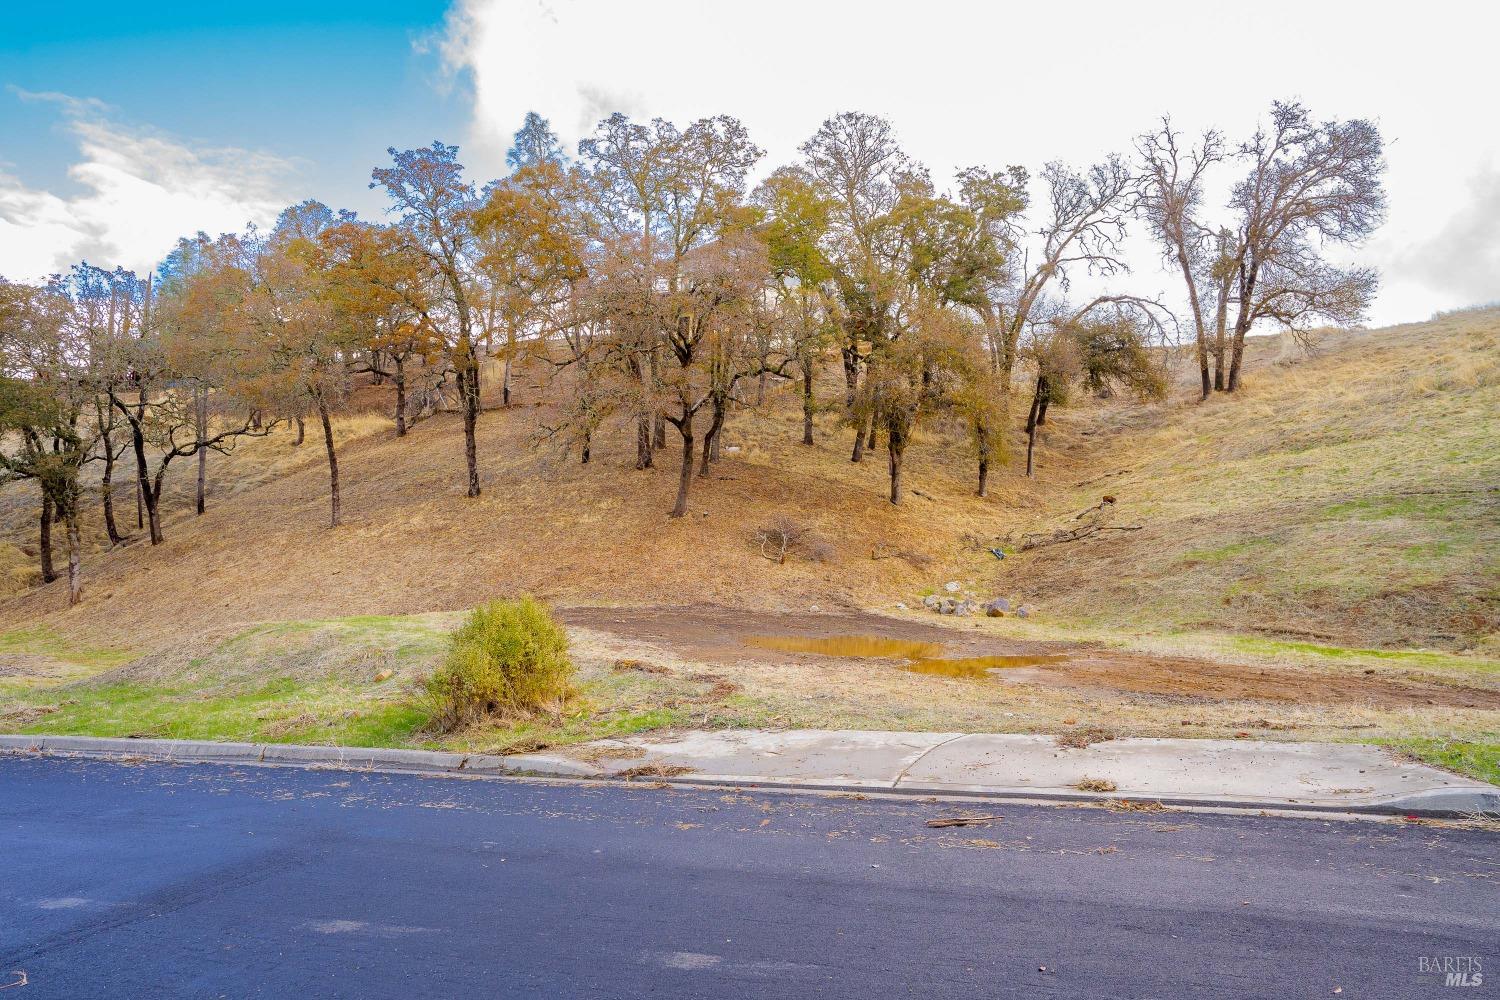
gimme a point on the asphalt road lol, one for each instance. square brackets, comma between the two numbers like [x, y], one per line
[121, 881]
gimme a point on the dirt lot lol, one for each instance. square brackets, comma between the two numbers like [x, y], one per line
[719, 636]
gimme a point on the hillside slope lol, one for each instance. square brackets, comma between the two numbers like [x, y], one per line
[1347, 497]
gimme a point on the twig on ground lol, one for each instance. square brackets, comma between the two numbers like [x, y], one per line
[937, 824]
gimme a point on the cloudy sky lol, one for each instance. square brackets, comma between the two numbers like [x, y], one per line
[123, 127]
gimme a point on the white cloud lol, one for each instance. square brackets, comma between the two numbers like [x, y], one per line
[138, 191]
[1459, 260]
[995, 84]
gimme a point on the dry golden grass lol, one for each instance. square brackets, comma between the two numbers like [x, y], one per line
[1341, 497]
[1349, 497]
[411, 542]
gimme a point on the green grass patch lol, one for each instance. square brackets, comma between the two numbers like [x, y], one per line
[1477, 760]
[1408, 657]
[280, 711]
[42, 641]
[1225, 553]
[1380, 507]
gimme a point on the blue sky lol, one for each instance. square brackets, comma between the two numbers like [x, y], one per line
[123, 126]
[329, 85]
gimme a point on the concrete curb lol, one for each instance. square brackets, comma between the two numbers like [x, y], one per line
[1460, 801]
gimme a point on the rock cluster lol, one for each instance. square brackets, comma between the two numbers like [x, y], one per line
[964, 606]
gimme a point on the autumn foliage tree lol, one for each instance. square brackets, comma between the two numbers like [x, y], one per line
[654, 290]
[434, 205]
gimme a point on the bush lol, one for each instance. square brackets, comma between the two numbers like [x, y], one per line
[784, 536]
[510, 659]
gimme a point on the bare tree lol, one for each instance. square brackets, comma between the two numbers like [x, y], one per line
[1310, 185]
[1171, 196]
[1086, 221]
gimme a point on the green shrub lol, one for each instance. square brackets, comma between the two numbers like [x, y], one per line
[510, 659]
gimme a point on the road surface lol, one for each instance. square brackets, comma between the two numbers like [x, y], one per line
[153, 881]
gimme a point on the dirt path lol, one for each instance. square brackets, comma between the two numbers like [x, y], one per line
[717, 634]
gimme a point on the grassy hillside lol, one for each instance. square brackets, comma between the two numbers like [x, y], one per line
[1347, 498]
[1312, 559]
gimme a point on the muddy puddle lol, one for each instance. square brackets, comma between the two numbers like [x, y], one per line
[918, 657]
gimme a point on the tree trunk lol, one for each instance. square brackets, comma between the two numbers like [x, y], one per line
[711, 439]
[106, 491]
[301, 433]
[643, 447]
[851, 375]
[1032, 421]
[75, 555]
[896, 450]
[685, 478]
[1242, 324]
[807, 399]
[45, 542]
[145, 492]
[333, 464]
[981, 435]
[200, 428]
[643, 450]
[1192, 289]
[871, 442]
[400, 381]
[505, 384]
[468, 380]
[1236, 355]
[588, 440]
[1221, 317]
[658, 418]
[859, 441]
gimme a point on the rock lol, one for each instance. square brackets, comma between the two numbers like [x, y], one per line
[932, 601]
[948, 606]
[998, 553]
[998, 604]
[813, 608]
[951, 586]
[1021, 612]
[964, 608]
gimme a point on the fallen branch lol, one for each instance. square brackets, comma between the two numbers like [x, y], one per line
[937, 824]
[1030, 542]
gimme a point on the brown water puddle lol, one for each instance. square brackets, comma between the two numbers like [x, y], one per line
[920, 657]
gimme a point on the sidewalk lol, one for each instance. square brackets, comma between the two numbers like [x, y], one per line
[1253, 774]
